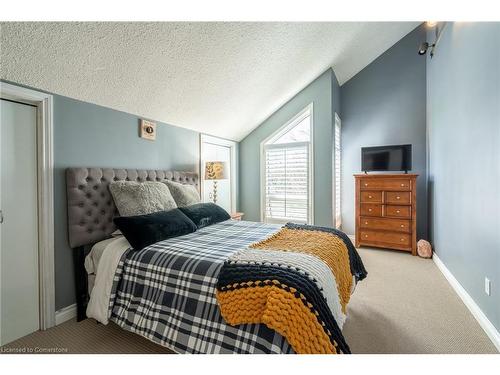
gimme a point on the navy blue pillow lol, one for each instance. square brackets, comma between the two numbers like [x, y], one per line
[204, 214]
[144, 230]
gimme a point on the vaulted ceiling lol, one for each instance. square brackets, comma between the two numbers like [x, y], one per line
[220, 78]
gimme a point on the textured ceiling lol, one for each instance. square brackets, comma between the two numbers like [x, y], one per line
[218, 78]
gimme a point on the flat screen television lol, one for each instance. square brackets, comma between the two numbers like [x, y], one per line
[386, 158]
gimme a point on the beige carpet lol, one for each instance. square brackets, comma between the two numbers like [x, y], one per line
[405, 305]
[86, 337]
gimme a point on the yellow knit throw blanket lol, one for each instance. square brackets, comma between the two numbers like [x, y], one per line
[330, 249]
[279, 310]
[283, 308]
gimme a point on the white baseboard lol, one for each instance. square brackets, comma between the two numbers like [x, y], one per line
[483, 321]
[65, 314]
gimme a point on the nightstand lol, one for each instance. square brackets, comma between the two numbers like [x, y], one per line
[237, 215]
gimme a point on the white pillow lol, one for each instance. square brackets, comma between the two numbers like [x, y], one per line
[140, 198]
[184, 195]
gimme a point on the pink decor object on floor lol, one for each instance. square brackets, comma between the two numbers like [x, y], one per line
[424, 249]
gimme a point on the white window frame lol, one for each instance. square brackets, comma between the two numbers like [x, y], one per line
[276, 135]
[204, 139]
[337, 219]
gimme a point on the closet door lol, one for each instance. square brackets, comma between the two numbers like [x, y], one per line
[19, 292]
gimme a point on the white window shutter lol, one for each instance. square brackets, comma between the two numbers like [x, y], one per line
[338, 174]
[287, 183]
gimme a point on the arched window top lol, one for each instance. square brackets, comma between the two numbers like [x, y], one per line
[297, 130]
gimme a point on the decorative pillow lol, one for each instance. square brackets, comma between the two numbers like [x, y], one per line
[184, 195]
[140, 198]
[144, 230]
[203, 214]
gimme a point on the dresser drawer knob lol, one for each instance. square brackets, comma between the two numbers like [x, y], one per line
[370, 196]
[366, 184]
[369, 210]
[397, 211]
[398, 197]
[402, 225]
[366, 222]
[366, 236]
[402, 239]
[402, 185]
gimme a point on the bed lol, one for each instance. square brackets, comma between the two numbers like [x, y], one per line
[170, 292]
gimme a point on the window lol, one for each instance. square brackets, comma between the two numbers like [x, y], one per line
[337, 173]
[287, 172]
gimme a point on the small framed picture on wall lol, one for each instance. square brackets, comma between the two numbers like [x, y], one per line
[147, 130]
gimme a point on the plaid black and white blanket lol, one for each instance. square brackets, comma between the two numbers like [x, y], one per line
[166, 292]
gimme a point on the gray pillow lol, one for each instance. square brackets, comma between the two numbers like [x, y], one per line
[136, 198]
[184, 195]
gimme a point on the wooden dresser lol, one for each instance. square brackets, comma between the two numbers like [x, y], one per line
[386, 211]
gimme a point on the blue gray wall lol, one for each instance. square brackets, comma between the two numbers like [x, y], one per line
[321, 92]
[89, 135]
[385, 104]
[463, 119]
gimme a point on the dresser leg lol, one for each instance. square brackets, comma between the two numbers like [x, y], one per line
[414, 249]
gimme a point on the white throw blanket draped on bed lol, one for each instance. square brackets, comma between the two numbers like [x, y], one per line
[98, 307]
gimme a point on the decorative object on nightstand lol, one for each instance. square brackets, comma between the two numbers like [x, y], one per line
[386, 211]
[215, 170]
[237, 215]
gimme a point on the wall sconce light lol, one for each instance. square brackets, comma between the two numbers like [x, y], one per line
[424, 46]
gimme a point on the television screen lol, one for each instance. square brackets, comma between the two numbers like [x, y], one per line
[386, 158]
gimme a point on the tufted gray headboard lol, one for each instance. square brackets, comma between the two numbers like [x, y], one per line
[91, 208]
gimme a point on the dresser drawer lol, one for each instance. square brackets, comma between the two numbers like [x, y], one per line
[397, 211]
[397, 197]
[396, 225]
[390, 238]
[368, 209]
[371, 197]
[385, 184]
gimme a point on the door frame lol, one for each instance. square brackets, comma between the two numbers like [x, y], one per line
[205, 138]
[45, 194]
